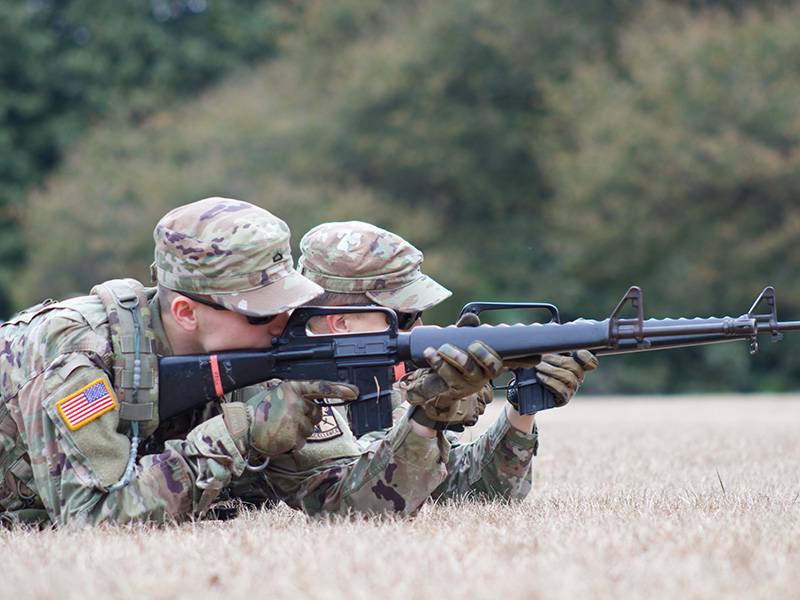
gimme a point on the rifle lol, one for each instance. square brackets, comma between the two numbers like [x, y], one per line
[367, 359]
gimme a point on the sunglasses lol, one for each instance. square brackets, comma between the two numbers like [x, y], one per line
[407, 319]
[215, 306]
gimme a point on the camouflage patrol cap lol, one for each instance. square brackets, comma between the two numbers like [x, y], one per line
[356, 257]
[234, 252]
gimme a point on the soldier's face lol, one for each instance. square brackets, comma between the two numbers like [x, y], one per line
[227, 330]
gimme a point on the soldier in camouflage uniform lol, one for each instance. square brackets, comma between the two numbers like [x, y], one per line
[357, 263]
[397, 470]
[78, 378]
[80, 441]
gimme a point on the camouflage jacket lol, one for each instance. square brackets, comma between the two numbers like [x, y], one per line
[63, 446]
[336, 474]
[495, 465]
[397, 470]
[393, 470]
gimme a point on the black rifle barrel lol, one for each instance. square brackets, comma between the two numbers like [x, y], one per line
[601, 337]
[509, 341]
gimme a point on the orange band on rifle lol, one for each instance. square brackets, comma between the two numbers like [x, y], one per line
[215, 376]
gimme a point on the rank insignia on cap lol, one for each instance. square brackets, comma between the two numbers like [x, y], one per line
[327, 429]
[87, 404]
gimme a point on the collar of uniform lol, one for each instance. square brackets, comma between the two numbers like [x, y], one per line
[162, 345]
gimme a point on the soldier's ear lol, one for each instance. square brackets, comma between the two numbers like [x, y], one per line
[184, 312]
[338, 323]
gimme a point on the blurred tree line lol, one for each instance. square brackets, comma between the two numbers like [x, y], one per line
[557, 151]
[67, 65]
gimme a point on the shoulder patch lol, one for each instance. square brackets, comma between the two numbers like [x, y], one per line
[327, 429]
[87, 404]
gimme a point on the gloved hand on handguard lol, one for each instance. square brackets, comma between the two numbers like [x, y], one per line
[455, 389]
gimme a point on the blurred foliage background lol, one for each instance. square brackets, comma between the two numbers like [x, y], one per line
[547, 150]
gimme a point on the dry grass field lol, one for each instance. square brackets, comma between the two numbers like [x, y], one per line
[690, 497]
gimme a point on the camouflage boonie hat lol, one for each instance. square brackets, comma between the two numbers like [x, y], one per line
[234, 252]
[356, 257]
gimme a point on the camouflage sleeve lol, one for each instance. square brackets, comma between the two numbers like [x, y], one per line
[496, 465]
[394, 474]
[183, 481]
[75, 461]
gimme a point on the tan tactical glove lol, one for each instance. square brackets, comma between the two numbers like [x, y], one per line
[523, 362]
[563, 375]
[462, 412]
[280, 419]
[455, 393]
[453, 374]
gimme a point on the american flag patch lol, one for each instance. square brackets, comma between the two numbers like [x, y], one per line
[86, 404]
